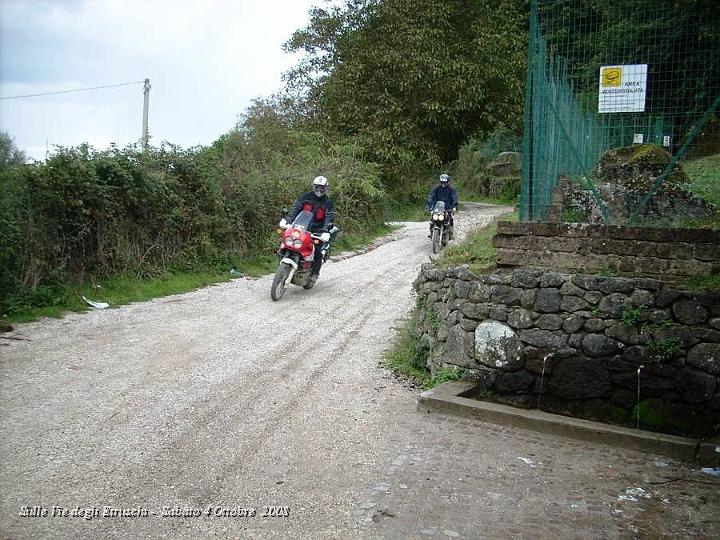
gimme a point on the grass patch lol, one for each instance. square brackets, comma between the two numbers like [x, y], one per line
[399, 211]
[476, 250]
[408, 356]
[711, 283]
[115, 290]
[703, 174]
[118, 290]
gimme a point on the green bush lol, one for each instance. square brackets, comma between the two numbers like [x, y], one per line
[86, 213]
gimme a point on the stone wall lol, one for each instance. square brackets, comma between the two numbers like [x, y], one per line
[672, 255]
[589, 334]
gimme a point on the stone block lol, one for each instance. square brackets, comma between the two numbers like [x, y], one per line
[648, 284]
[520, 318]
[569, 288]
[706, 334]
[527, 298]
[690, 312]
[705, 356]
[572, 303]
[695, 386]
[462, 289]
[589, 283]
[572, 230]
[499, 313]
[624, 333]
[525, 279]
[475, 311]
[597, 345]
[544, 339]
[497, 346]
[504, 294]
[573, 324]
[578, 378]
[511, 257]
[570, 245]
[513, 228]
[616, 285]
[706, 252]
[548, 300]
[697, 236]
[517, 381]
[666, 298]
[690, 267]
[611, 305]
[549, 321]
[674, 251]
[551, 279]
[544, 229]
[479, 292]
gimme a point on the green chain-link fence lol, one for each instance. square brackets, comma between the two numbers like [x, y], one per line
[621, 109]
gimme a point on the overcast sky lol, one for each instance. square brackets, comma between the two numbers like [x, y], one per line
[206, 60]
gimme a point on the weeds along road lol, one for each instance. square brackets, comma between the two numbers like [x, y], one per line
[217, 398]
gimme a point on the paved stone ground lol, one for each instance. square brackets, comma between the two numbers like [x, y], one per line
[462, 478]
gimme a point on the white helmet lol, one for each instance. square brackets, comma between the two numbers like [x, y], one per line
[320, 185]
[444, 178]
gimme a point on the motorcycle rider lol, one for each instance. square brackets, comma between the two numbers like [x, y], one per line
[317, 202]
[443, 191]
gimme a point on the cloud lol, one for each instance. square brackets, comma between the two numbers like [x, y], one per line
[205, 59]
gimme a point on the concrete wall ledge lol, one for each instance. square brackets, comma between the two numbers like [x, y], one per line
[448, 398]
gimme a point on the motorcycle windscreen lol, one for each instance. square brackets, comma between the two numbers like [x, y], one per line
[303, 220]
[439, 207]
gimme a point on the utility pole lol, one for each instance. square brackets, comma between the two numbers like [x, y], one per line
[146, 101]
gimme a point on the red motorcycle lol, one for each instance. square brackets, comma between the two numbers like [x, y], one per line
[298, 249]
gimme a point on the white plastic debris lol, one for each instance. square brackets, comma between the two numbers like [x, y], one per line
[527, 461]
[715, 471]
[634, 495]
[662, 464]
[97, 305]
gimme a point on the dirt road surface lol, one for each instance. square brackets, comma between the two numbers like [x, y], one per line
[222, 403]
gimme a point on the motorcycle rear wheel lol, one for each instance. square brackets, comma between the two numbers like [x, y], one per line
[277, 290]
[436, 240]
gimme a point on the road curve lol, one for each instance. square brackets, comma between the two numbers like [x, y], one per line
[215, 398]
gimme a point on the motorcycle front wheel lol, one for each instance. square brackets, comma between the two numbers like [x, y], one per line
[278, 285]
[436, 240]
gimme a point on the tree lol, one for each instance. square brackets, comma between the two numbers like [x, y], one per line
[10, 155]
[410, 80]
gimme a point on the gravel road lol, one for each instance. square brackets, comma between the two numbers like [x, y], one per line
[221, 400]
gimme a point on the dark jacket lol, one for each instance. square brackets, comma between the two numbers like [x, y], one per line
[446, 194]
[321, 207]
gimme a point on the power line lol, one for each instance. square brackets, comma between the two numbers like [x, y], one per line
[70, 91]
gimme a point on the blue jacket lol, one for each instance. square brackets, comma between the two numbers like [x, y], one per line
[446, 194]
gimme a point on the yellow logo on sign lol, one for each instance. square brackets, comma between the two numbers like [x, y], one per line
[611, 76]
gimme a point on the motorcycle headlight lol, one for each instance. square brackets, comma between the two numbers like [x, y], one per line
[289, 241]
[297, 243]
[440, 217]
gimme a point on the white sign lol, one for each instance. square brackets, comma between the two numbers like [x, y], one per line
[666, 140]
[638, 138]
[622, 88]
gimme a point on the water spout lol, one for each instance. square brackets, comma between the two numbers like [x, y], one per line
[637, 424]
[542, 378]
